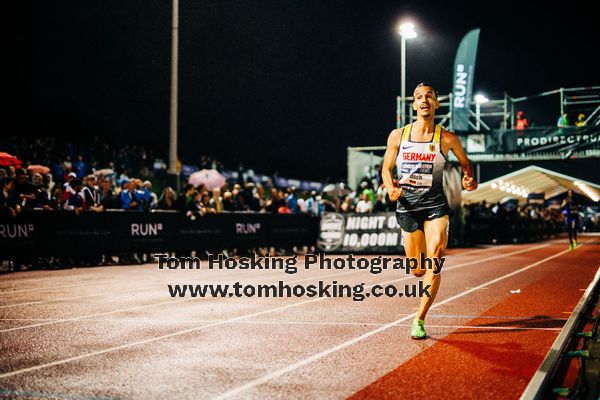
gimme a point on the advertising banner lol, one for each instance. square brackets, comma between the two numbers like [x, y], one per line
[360, 233]
[463, 74]
[62, 233]
[546, 140]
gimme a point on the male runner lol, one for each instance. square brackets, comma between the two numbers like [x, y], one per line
[419, 151]
[571, 208]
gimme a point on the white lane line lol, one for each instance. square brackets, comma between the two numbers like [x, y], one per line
[299, 364]
[153, 265]
[317, 323]
[473, 262]
[53, 288]
[325, 276]
[508, 328]
[297, 281]
[148, 286]
[522, 317]
[100, 272]
[145, 341]
[179, 333]
[29, 303]
[171, 301]
[481, 250]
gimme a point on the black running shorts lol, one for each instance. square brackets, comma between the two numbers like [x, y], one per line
[413, 220]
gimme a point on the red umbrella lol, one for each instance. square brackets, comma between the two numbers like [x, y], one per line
[7, 159]
[40, 169]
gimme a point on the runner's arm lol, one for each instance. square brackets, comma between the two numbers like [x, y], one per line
[389, 160]
[453, 144]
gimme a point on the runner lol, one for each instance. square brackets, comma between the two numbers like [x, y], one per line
[571, 208]
[419, 152]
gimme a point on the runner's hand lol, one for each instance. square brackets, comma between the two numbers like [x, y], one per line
[469, 183]
[395, 194]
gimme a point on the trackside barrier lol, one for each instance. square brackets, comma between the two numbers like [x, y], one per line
[62, 233]
[538, 387]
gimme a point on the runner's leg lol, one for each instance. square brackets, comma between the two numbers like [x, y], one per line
[436, 233]
[414, 245]
[570, 229]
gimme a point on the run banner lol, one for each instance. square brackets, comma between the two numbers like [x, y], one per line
[463, 74]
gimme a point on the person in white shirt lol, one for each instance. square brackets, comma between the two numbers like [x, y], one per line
[364, 204]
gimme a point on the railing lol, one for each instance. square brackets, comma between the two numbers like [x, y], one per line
[570, 100]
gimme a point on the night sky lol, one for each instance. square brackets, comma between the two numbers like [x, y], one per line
[277, 85]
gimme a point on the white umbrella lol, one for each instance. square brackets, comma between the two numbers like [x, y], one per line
[336, 189]
[211, 178]
[104, 171]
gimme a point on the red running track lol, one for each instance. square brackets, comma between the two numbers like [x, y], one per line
[114, 332]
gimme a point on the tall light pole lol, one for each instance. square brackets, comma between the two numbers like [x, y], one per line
[174, 175]
[479, 100]
[406, 31]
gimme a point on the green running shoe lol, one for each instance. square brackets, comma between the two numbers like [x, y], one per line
[418, 329]
[571, 247]
[575, 243]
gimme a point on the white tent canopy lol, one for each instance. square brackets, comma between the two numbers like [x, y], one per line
[532, 179]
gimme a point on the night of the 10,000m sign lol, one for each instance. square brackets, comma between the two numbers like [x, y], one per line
[377, 233]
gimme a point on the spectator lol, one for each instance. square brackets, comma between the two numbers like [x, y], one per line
[366, 190]
[312, 204]
[48, 182]
[188, 192]
[521, 123]
[205, 204]
[292, 200]
[194, 207]
[80, 167]
[563, 121]
[128, 197]
[24, 190]
[91, 195]
[141, 194]
[580, 120]
[364, 205]
[57, 198]
[215, 202]
[276, 201]
[67, 185]
[75, 200]
[329, 206]
[228, 202]
[108, 198]
[346, 206]
[42, 196]
[302, 204]
[238, 197]
[152, 198]
[253, 196]
[380, 206]
[9, 204]
[167, 200]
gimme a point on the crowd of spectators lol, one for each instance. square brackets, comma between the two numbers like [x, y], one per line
[510, 222]
[97, 176]
[93, 176]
